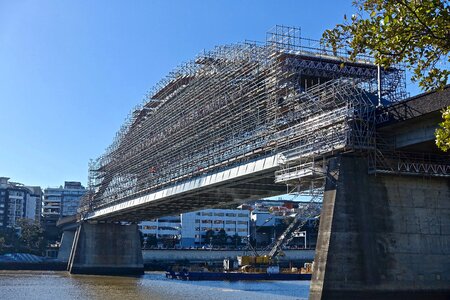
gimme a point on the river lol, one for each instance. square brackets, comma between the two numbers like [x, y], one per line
[61, 285]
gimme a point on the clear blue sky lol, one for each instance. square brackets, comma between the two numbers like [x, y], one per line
[70, 71]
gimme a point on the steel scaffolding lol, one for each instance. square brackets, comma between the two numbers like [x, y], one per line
[236, 103]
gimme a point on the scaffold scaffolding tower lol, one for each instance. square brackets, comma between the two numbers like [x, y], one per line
[236, 103]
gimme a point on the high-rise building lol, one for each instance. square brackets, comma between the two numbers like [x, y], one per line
[18, 201]
[33, 205]
[62, 201]
[73, 191]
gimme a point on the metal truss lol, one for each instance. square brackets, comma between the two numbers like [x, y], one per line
[386, 160]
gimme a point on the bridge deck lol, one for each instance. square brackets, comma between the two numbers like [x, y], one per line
[248, 181]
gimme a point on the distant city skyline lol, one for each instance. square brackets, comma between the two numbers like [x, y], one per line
[70, 72]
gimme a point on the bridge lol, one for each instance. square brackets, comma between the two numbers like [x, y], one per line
[252, 120]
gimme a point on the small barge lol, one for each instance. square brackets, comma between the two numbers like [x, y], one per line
[261, 271]
[236, 276]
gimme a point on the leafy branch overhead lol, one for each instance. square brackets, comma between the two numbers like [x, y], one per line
[415, 32]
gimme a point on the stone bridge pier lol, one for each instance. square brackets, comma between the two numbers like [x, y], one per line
[382, 237]
[106, 249]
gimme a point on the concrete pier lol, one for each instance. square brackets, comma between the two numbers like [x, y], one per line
[382, 237]
[106, 249]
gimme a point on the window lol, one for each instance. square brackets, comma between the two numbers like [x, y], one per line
[218, 222]
[242, 222]
[243, 215]
[197, 221]
[150, 227]
[167, 228]
[230, 215]
[231, 222]
[219, 214]
[208, 214]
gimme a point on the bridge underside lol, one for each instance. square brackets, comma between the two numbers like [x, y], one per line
[226, 194]
[250, 181]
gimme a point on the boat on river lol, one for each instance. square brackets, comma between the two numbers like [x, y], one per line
[235, 276]
[259, 271]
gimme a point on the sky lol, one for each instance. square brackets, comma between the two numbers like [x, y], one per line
[71, 71]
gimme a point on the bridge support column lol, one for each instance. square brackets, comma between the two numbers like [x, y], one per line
[106, 249]
[382, 237]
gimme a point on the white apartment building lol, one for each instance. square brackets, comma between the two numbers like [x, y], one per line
[194, 225]
[189, 229]
[16, 206]
[165, 227]
[18, 201]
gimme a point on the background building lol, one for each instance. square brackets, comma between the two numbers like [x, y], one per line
[34, 203]
[62, 201]
[72, 193]
[262, 221]
[162, 232]
[197, 229]
[58, 203]
[270, 218]
[18, 201]
[195, 225]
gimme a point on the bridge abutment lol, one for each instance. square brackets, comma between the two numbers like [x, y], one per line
[106, 249]
[382, 237]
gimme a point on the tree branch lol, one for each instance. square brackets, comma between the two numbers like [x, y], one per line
[421, 22]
